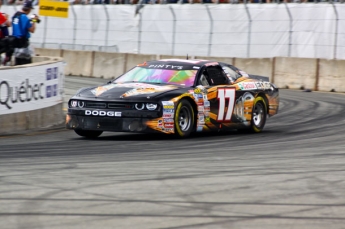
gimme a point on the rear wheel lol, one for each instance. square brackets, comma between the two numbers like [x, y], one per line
[89, 133]
[184, 119]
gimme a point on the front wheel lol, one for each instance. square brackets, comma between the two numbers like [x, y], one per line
[88, 133]
[184, 119]
[259, 115]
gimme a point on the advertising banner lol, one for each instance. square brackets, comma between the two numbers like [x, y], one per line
[53, 8]
[26, 89]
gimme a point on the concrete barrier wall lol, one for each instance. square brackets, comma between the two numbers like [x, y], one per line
[48, 52]
[31, 120]
[285, 72]
[108, 65]
[78, 62]
[34, 109]
[331, 75]
[256, 66]
[295, 72]
[135, 59]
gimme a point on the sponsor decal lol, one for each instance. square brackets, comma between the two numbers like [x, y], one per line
[168, 115]
[207, 103]
[53, 8]
[168, 120]
[207, 119]
[205, 97]
[168, 107]
[52, 73]
[247, 86]
[200, 108]
[167, 103]
[51, 90]
[199, 128]
[168, 125]
[22, 93]
[103, 113]
[201, 119]
[263, 85]
[197, 90]
[160, 123]
[168, 111]
[212, 64]
[166, 66]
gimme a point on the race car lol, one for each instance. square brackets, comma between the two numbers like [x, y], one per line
[177, 97]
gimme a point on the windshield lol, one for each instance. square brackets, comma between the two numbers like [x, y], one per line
[141, 74]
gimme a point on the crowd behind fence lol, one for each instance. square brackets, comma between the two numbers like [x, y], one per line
[83, 2]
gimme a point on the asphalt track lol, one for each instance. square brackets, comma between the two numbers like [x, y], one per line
[289, 176]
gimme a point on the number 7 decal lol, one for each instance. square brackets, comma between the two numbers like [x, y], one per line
[223, 95]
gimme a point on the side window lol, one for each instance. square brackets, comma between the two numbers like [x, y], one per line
[231, 73]
[203, 81]
[216, 76]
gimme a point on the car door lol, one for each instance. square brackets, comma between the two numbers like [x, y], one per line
[221, 95]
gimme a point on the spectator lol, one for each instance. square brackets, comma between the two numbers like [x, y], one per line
[4, 24]
[22, 27]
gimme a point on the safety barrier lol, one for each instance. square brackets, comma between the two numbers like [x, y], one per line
[31, 96]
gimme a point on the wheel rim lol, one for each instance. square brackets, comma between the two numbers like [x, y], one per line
[258, 114]
[184, 118]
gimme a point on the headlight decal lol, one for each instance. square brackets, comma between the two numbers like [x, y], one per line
[139, 106]
[151, 106]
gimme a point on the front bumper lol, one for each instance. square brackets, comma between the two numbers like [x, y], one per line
[108, 124]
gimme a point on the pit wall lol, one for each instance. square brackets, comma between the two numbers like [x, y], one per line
[284, 72]
[31, 96]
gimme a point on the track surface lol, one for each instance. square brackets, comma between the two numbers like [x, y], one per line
[289, 176]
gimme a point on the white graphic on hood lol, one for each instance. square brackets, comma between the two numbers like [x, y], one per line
[137, 88]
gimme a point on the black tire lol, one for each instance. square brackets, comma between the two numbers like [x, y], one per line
[89, 133]
[184, 119]
[259, 115]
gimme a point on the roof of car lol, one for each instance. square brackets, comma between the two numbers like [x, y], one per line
[167, 63]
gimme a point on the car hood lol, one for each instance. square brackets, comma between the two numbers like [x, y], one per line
[123, 90]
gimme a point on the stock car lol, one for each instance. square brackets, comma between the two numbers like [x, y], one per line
[177, 97]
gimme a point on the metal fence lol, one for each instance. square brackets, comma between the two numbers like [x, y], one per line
[313, 30]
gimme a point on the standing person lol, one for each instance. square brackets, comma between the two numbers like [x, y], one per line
[23, 26]
[4, 24]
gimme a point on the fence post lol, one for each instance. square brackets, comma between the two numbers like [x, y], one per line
[335, 30]
[249, 29]
[45, 32]
[107, 25]
[174, 30]
[211, 31]
[290, 29]
[74, 26]
[139, 33]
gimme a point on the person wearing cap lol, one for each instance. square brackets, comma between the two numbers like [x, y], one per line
[22, 27]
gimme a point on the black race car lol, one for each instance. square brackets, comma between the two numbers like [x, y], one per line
[174, 96]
